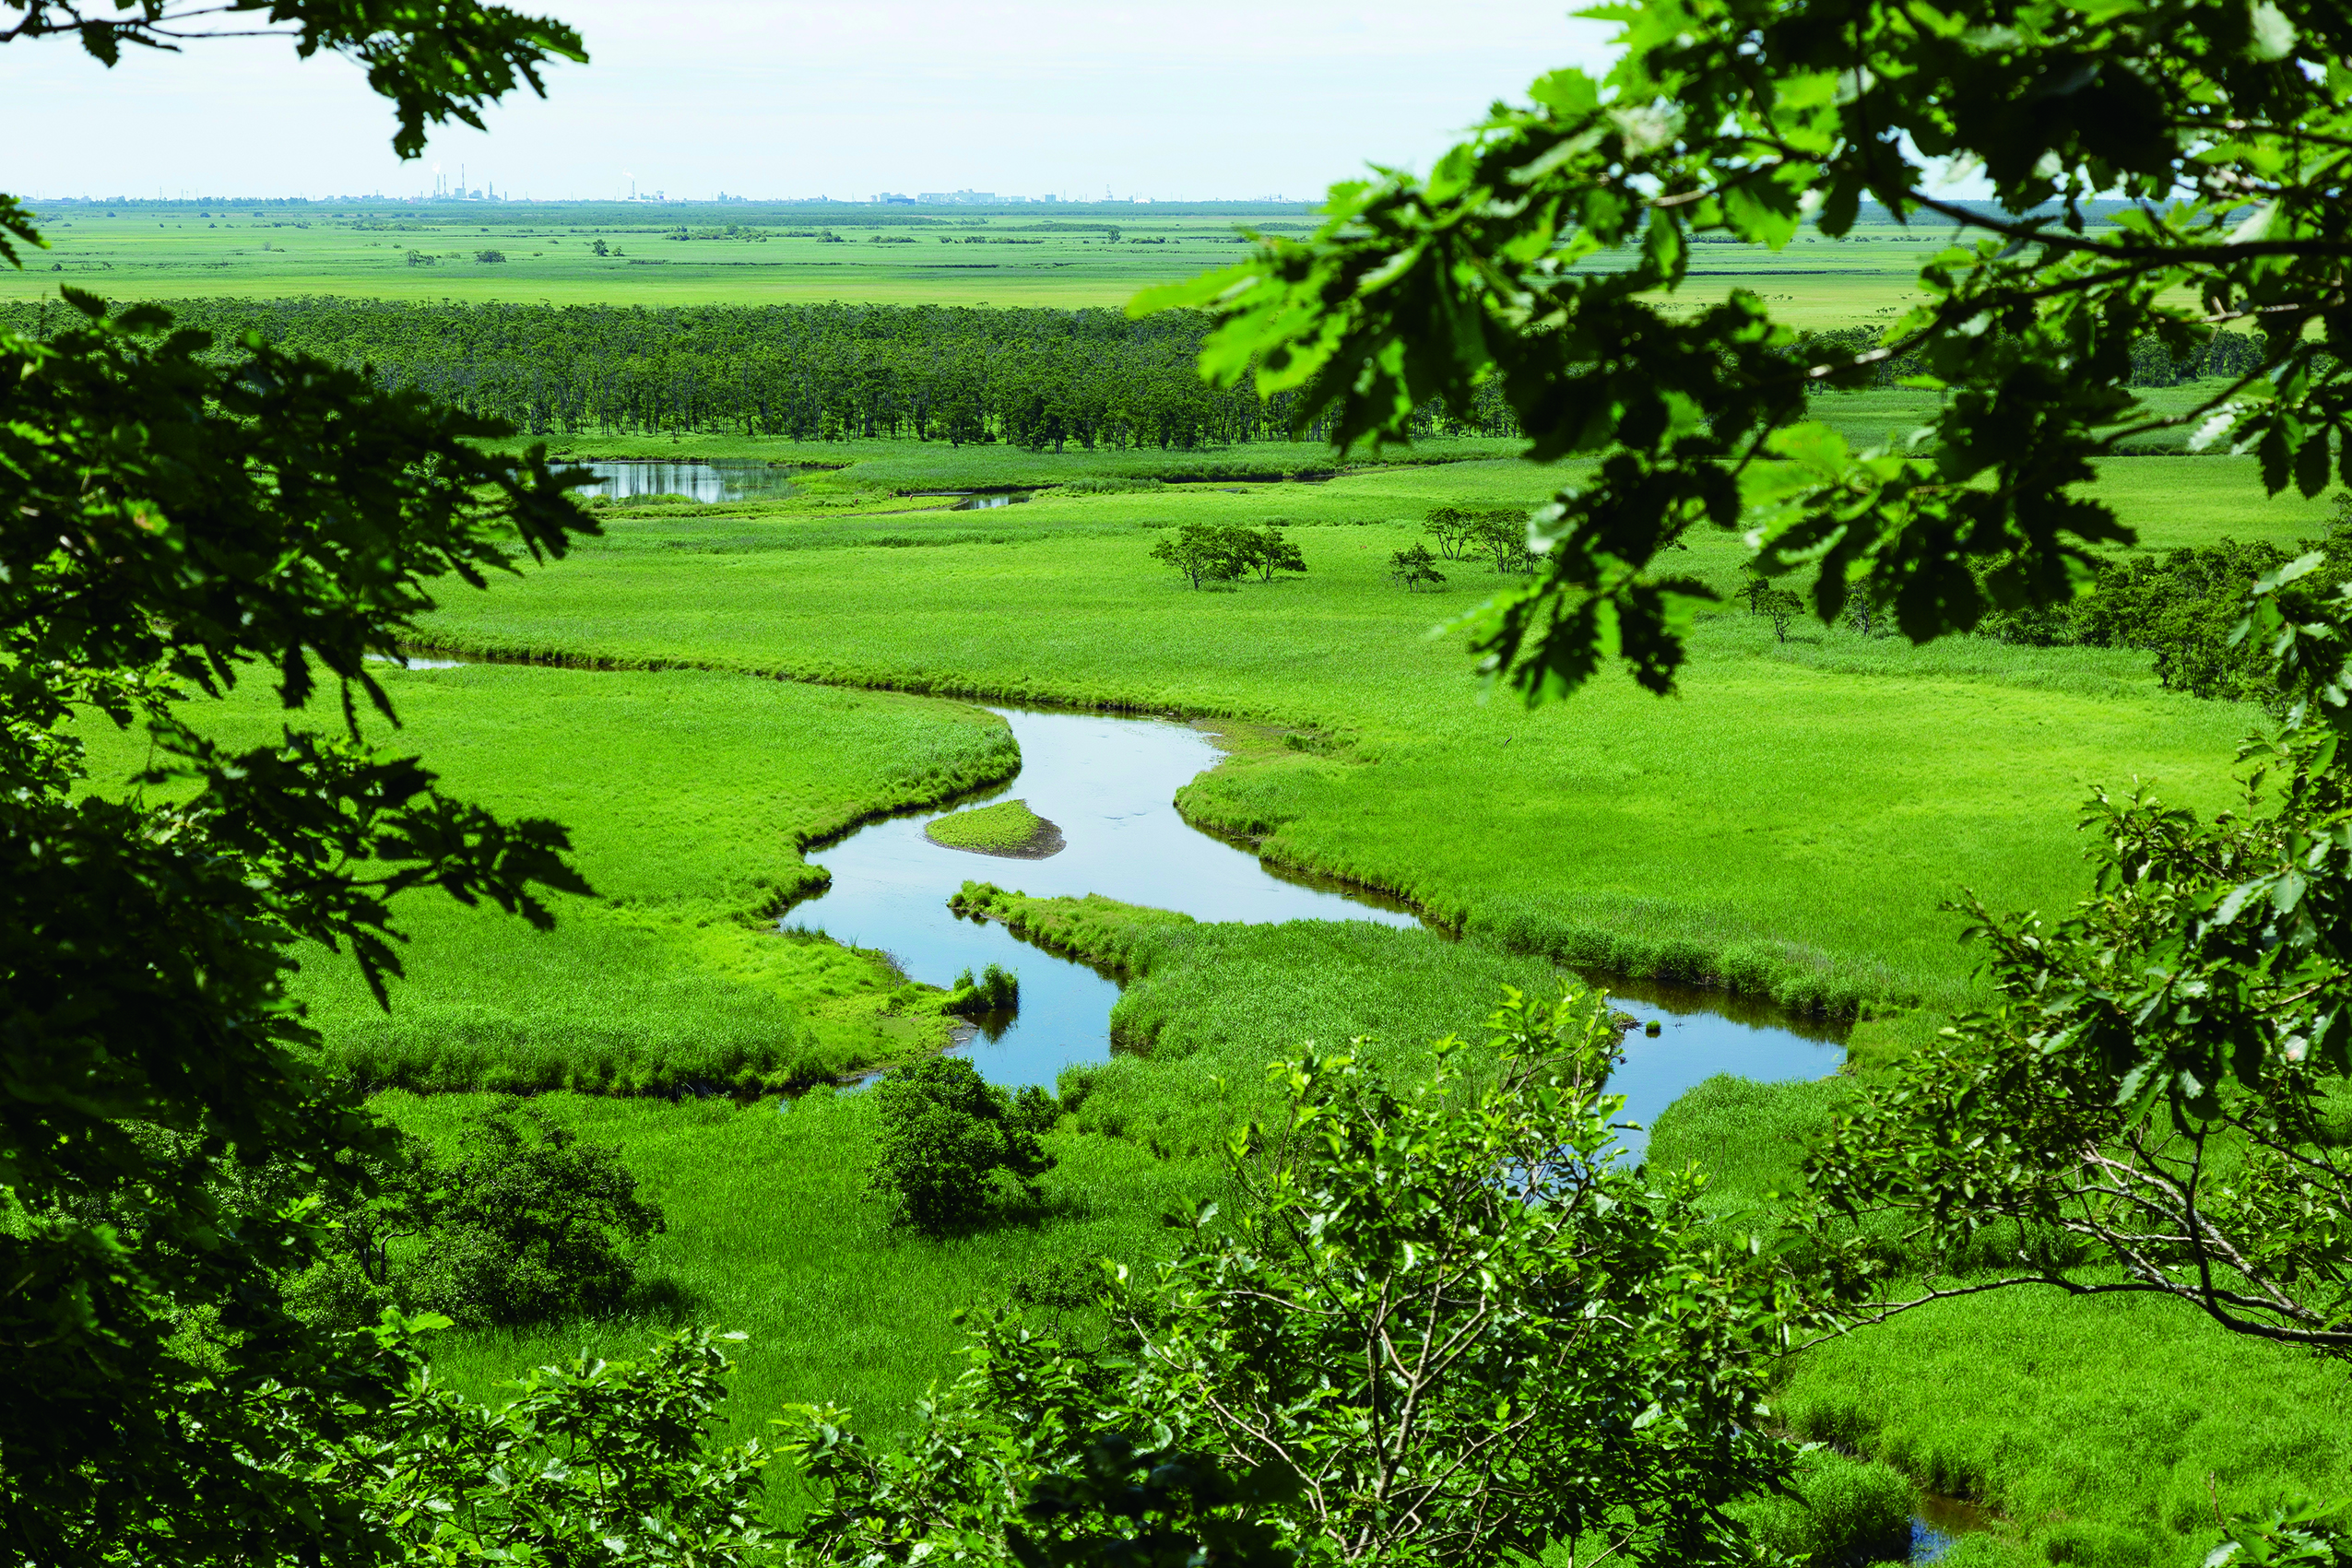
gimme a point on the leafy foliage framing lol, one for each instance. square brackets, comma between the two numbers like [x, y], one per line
[1551, 254]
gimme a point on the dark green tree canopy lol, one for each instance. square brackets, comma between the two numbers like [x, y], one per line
[948, 1135]
[173, 519]
[1542, 253]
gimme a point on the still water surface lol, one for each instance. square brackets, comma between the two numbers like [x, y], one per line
[1109, 784]
[697, 481]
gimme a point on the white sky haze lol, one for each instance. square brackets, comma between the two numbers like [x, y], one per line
[1210, 99]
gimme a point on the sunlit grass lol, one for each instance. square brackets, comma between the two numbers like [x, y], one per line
[1802, 809]
[689, 797]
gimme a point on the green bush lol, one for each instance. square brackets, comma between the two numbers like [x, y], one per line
[522, 1223]
[947, 1135]
[528, 1223]
[997, 991]
[1845, 1512]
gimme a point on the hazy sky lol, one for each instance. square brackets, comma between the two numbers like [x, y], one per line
[783, 98]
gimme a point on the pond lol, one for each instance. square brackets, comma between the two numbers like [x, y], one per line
[975, 500]
[1109, 784]
[696, 481]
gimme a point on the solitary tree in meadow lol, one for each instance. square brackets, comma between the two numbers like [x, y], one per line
[1205, 552]
[1414, 566]
[1501, 533]
[1265, 551]
[1453, 528]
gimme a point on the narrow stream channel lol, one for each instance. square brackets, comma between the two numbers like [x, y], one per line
[1109, 784]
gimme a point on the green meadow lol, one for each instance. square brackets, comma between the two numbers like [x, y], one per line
[1790, 822]
[689, 797]
[741, 682]
[770, 1232]
[692, 254]
[2109, 1431]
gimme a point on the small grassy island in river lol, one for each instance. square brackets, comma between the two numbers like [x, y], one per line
[1008, 828]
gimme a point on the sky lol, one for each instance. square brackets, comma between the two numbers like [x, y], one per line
[1199, 100]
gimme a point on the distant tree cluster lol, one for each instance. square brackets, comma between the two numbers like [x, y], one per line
[1220, 552]
[2184, 608]
[2154, 363]
[1498, 533]
[1035, 378]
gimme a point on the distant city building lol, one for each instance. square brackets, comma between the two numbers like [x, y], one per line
[967, 198]
[892, 198]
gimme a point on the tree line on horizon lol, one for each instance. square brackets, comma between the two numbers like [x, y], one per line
[1035, 378]
[1031, 377]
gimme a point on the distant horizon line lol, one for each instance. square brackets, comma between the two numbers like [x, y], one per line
[723, 198]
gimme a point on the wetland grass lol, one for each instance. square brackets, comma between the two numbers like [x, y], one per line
[1791, 823]
[689, 796]
[1009, 829]
[2099, 1431]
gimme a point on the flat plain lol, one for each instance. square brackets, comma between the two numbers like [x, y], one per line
[1791, 821]
[655, 254]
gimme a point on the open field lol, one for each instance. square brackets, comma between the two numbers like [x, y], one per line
[676, 254]
[769, 1232]
[689, 797]
[1798, 812]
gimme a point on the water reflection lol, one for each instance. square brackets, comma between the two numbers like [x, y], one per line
[696, 481]
[1695, 1042]
[1109, 784]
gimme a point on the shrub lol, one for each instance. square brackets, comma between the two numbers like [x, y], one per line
[1845, 1513]
[528, 1223]
[997, 991]
[947, 1136]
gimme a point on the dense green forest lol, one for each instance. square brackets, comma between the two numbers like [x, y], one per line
[1036, 378]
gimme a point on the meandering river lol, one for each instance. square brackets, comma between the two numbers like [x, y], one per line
[1109, 784]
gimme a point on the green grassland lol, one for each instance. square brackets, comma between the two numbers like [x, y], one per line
[1025, 258]
[689, 797]
[1795, 817]
[1002, 829]
[2103, 1432]
[1098, 256]
[769, 1232]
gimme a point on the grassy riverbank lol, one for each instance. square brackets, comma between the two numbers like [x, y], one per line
[2097, 1432]
[1791, 822]
[769, 1232]
[689, 797]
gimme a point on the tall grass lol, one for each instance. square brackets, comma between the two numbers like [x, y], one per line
[770, 1234]
[1790, 827]
[690, 797]
[2106, 1432]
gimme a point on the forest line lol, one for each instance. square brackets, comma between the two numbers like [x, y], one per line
[1033, 377]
